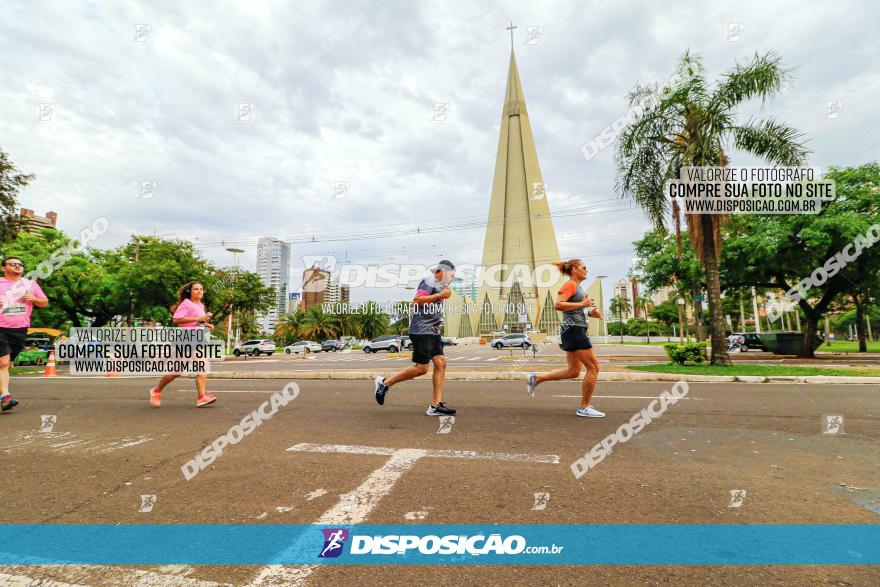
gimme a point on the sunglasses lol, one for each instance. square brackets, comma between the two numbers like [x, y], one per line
[15, 264]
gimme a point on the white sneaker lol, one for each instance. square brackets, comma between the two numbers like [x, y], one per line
[590, 412]
[532, 385]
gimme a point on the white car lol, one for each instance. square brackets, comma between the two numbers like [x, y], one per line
[522, 340]
[255, 347]
[302, 347]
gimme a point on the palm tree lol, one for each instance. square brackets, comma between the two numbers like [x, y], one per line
[373, 322]
[317, 324]
[288, 327]
[693, 124]
[618, 307]
[401, 317]
[346, 323]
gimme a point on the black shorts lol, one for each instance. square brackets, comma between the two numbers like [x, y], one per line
[12, 341]
[574, 338]
[425, 346]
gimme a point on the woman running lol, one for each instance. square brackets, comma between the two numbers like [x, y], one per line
[571, 301]
[189, 312]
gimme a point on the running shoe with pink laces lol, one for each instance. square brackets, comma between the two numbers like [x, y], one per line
[155, 397]
[205, 400]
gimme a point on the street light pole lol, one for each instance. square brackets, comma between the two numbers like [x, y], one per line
[602, 306]
[235, 252]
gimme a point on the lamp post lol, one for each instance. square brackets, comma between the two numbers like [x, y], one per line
[755, 310]
[235, 252]
[602, 306]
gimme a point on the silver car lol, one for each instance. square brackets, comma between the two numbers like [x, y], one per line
[255, 348]
[390, 343]
[522, 340]
[303, 346]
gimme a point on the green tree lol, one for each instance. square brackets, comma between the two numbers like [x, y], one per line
[233, 290]
[778, 251]
[347, 322]
[693, 124]
[288, 327]
[318, 325]
[373, 322]
[618, 307]
[11, 182]
[666, 313]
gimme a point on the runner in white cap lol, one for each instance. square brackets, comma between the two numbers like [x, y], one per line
[427, 344]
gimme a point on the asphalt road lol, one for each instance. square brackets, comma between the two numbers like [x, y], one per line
[107, 447]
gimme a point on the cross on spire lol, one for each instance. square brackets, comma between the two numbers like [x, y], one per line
[510, 28]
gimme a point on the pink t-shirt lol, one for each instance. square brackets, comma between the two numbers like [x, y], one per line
[16, 312]
[189, 309]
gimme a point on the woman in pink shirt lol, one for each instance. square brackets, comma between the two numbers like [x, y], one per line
[189, 312]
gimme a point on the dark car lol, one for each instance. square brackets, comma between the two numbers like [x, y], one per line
[332, 346]
[448, 341]
[753, 341]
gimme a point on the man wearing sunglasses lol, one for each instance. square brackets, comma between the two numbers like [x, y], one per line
[18, 296]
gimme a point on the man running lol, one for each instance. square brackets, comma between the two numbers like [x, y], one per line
[424, 332]
[18, 296]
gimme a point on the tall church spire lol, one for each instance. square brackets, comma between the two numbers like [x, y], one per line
[520, 229]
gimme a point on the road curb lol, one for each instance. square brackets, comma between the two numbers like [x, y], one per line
[521, 376]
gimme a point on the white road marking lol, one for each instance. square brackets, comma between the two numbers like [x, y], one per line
[490, 359]
[315, 494]
[699, 399]
[355, 506]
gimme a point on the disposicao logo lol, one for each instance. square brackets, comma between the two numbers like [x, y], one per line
[334, 541]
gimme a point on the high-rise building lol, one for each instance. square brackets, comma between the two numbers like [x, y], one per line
[33, 223]
[273, 267]
[315, 282]
[519, 237]
[629, 290]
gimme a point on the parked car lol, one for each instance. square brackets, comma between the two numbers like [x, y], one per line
[255, 347]
[302, 347]
[753, 341]
[448, 341]
[389, 342]
[406, 343]
[332, 346]
[519, 339]
[40, 342]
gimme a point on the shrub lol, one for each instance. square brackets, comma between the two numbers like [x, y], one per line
[688, 352]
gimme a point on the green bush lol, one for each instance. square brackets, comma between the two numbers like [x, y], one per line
[688, 352]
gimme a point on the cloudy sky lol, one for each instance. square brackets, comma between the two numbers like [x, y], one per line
[344, 92]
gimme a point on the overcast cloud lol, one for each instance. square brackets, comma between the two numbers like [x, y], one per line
[133, 107]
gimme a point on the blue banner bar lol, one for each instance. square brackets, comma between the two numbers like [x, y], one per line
[418, 544]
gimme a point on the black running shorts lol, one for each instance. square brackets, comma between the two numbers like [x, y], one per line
[12, 341]
[425, 346]
[574, 338]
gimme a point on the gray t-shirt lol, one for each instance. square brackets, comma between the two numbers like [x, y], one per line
[576, 294]
[427, 318]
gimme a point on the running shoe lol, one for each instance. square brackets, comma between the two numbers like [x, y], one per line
[381, 390]
[440, 409]
[155, 397]
[532, 385]
[7, 402]
[590, 412]
[205, 400]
